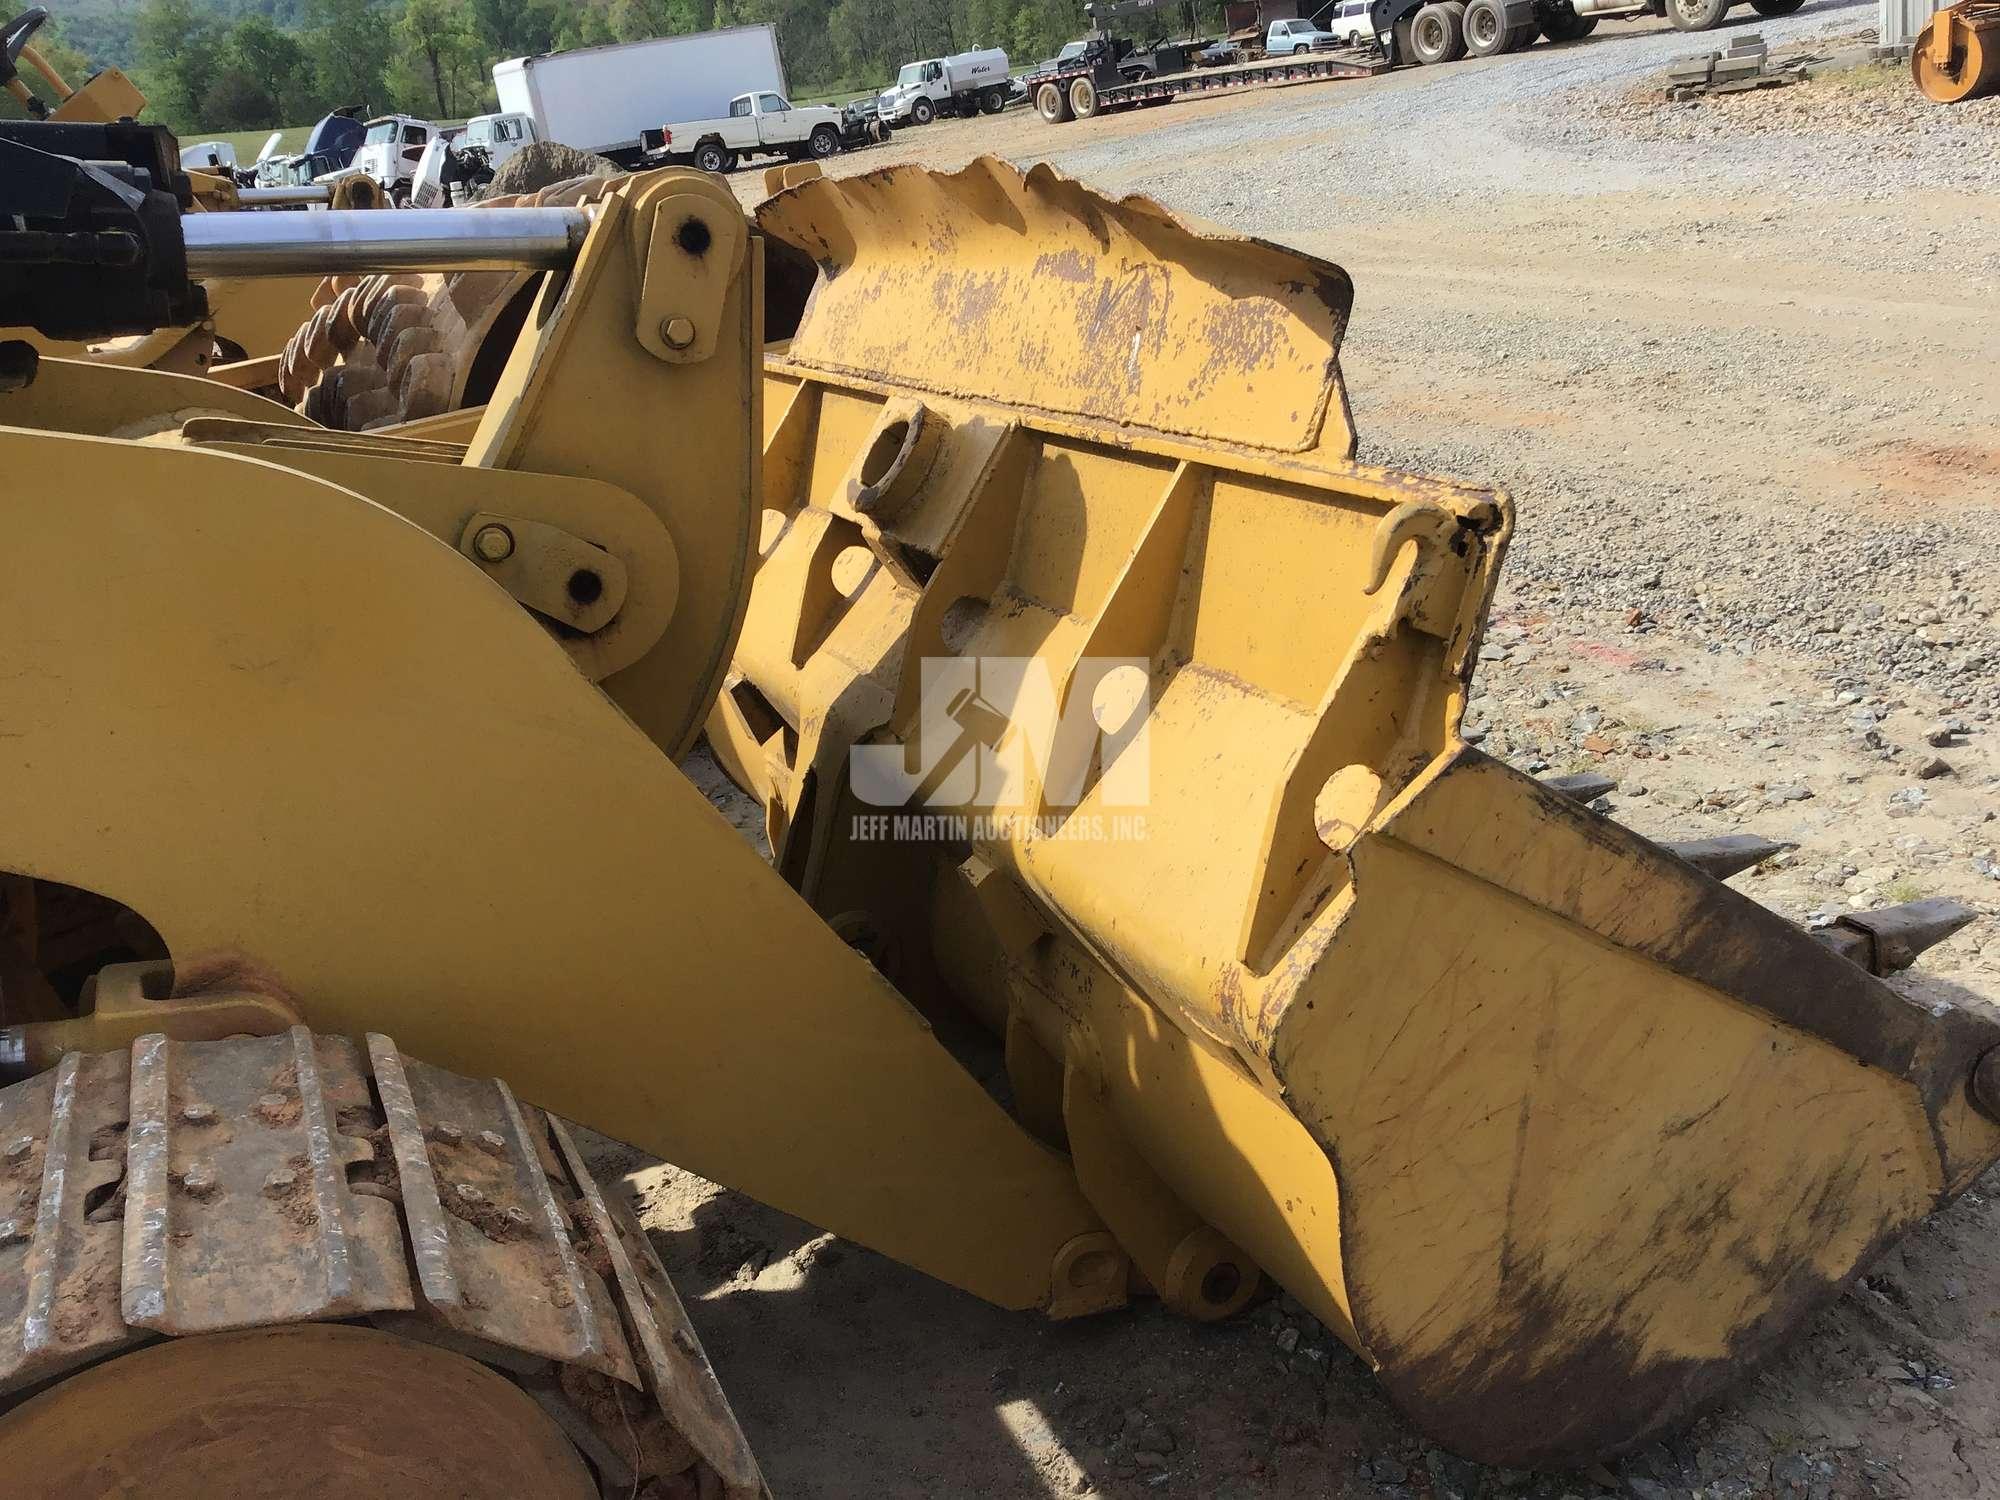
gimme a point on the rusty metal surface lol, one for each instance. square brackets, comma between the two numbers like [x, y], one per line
[297, 1412]
[237, 1209]
[61, 1161]
[675, 1365]
[496, 1257]
[194, 1189]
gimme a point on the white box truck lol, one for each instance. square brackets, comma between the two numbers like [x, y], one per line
[603, 99]
[962, 84]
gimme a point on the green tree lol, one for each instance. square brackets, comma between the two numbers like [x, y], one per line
[637, 20]
[437, 63]
[277, 61]
[515, 28]
[179, 50]
[349, 42]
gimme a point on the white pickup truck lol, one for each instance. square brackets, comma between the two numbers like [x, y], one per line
[757, 125]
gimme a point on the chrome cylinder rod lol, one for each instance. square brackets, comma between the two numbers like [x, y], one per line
[359, 241]
[283, 197]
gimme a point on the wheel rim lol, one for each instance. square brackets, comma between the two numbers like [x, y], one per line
[1483, 27]
[1430, 34]
[285, 1413]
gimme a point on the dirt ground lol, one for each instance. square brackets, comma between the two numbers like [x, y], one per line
[1736, 366]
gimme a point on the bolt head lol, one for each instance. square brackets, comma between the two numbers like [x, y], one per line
[677, 333]
[198, 1114]
[270, 1104]
[493, 543]
[467, 1193]
[12, 1232]
[19, 1147]
[517, 1216]
[447, 1135]
[280, 1180]
[199, 1180]
[492, 1142]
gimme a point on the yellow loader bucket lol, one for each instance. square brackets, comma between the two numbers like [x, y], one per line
[1091, 686]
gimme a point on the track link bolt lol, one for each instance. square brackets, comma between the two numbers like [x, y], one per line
[517, 1216]
[492, 1143]
[469, 1194]
[271, 1105]
[677, 333]
[11, 1232]
[281, 1181]
[199, 1180]
[198, 1114]
[19, 1147]
[493, 543]
[447, 1135]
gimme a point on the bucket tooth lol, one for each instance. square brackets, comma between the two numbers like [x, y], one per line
[1583, 786]
[1728, 854]
[1891, 939]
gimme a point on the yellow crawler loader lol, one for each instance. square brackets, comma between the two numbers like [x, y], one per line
[1025, 574]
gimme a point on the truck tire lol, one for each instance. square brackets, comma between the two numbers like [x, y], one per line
[1438, 33]
[1082, 98]
[995, 100]
[921, 112]
[1775, 7]
[1303, 49]
[711, 156]
[1696, 15]
[1565, 25]
[1052, 103]
[1487, 33]
[824, 140]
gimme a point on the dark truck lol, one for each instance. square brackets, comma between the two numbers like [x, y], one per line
[1107, 74]
[1436, 31]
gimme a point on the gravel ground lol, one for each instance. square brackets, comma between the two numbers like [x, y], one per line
[1732, 360]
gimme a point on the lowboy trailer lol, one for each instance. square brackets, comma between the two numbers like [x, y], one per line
[1093, 86]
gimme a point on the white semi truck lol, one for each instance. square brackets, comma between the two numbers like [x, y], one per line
[390, 150]
[963, 84]
[605, 99]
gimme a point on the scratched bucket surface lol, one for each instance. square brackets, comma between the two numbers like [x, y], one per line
[1111, 311]
[1557, 1132]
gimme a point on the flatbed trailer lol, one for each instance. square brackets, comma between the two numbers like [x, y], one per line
[1093, 86]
